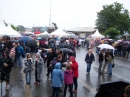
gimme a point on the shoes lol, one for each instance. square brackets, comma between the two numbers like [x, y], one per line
[7, 88]
[35, 83]
[47, 74]
[74, 91]
[88, 73]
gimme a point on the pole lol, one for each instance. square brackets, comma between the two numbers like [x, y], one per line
[50, 15]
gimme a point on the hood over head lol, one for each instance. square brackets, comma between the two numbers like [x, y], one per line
[72, 58]
[7, 52]
[58, 65]
[38, 54]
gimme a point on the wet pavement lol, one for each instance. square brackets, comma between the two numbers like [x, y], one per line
[87, 84]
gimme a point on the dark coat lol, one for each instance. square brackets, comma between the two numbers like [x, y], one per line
[100, 57]
[89, 59]
[10, 63]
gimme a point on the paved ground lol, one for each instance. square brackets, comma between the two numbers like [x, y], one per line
[87, 84]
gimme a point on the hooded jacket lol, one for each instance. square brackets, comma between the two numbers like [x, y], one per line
[68, 77]
[74, 66]
[57, 76]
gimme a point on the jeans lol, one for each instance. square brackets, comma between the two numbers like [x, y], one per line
[28, 76]
[55, 91]
[109, 69]
[88, 67]
[100, 67]
[70, 89]
[19, 61]
[75, 83]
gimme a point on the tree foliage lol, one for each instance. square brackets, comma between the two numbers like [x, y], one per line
[113, 15]
[112, 32]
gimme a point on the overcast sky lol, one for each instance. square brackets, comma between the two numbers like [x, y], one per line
[66, 13]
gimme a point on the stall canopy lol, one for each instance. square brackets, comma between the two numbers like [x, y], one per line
[13, 32]
[45, 33]
[59, 32]
[97, 35]
[7, 30]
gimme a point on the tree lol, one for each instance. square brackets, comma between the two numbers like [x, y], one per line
[13, 27]
[113, 15]
[112, 32]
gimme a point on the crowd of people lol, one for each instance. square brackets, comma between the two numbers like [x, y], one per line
[61, 64]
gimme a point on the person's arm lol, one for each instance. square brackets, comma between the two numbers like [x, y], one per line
[86, 57]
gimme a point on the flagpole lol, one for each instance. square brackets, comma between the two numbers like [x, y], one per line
[50, 15]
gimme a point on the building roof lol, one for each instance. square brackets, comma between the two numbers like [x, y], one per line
[82, 29]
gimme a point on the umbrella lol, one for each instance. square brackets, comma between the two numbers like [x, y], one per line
[32, 43]
[14, 41]
[39, 38]
[66, 50]
[25, 38]
[6, 36]
[106, 46]
[115, 89]
[37, 32]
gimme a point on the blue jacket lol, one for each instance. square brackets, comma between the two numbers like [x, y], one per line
[19, 51]
[57, 76]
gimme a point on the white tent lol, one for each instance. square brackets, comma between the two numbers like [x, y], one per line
[3, 29]
[45, 33]
[59, 32]
[12, 32]
[97, 35]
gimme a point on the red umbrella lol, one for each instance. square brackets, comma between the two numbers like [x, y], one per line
[37, 32]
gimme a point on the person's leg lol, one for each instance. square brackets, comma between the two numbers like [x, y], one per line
[100, 67]
[30, 74]
[35, 75]
[88, 67]
[57, 91]
[54, 90]
[71, 90]
[26, 76]
[75, 83]
[65, 88]
[110, 69]
[7, 77]
[20, 61]
[104, 66]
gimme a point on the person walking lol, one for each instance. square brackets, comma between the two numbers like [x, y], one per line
[28, 68]
[57, 79]
[74, 67]
[89, 59]
[68, 80]
[101, 58]
[38, 68]
[110, 62]
[8, 63]
[19, 54]
[106, 62]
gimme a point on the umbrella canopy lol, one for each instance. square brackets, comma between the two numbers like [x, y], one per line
[25, 38]
[66, 50]
[32, 43]
[106, 46]
[6, 36]
[115, 89]
[97, 35]
[37, 32]
[45, 33]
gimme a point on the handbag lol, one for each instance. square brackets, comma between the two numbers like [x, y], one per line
[113, 65]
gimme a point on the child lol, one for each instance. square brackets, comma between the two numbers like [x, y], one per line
[68, 80]
[57, 79]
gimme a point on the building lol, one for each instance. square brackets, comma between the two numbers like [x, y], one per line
[49, 29]
[83, 31]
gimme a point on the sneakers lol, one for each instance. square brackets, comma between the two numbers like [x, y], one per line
[7, 88]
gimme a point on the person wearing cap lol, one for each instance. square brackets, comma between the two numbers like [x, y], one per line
[127, 91]
[8, 63]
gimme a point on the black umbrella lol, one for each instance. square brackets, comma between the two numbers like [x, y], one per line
[25, 38]
[66, 50]
[32, 43]
[6, 36]
[115, 89]
[14, 41]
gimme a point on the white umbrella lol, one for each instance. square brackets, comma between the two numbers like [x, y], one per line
[106, 46]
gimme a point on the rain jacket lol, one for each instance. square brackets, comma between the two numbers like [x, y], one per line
[39, 66]
[28, 63]
[57, 76]
[68, 77]
[74, 66]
